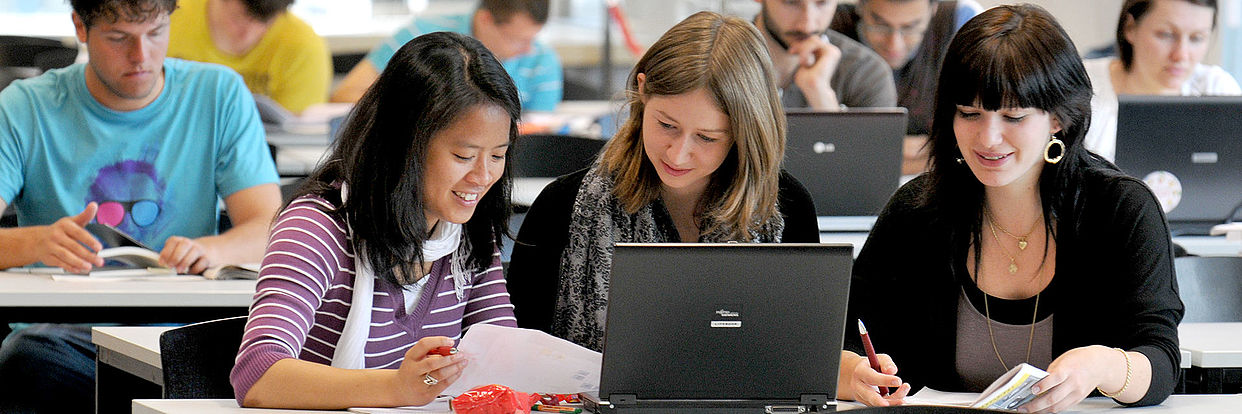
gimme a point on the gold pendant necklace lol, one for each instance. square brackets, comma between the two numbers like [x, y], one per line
[1022, 240]
[1013, 260]
[1029, 341]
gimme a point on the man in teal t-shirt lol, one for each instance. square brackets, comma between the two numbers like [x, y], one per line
[506, 27]
[130, 139]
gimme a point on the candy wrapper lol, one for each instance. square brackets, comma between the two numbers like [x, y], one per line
[493, 399]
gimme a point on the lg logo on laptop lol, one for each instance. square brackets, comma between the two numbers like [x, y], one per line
[822, 147]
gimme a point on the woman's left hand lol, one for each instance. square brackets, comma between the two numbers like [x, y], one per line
[1071, 378]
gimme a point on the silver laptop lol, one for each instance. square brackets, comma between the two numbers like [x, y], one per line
[731, 328]
[850, 161]
[1189, 151]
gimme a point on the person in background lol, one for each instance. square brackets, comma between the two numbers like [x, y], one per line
[1160, 46]
[817, 67]
[911, 36]
[133, 140]
[1018, 245]
[277, 54]
[506, 27]
[390, 249]
[697, 160]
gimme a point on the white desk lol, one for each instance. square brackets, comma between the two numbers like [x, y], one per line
[133, 349]
[19, 290]
[206, 407]
[1209, 245]
[1176, 404]
[1215, 355]
[1212, 345]
[127, 365]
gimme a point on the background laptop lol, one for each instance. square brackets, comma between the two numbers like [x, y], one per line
[724, 327]
[1189, 151]
[850, 161]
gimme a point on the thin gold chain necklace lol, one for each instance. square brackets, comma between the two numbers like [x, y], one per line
[1013, 260]
[1022, 240]
[1030, 340]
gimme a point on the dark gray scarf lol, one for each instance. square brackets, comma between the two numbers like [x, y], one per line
[597, 223]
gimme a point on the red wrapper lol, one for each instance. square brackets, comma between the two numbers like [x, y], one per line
[493, 399]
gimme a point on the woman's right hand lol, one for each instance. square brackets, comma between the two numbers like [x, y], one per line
[858, 382]
[418, 365]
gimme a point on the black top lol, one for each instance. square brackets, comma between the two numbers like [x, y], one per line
[1114, 284]
[534, 270]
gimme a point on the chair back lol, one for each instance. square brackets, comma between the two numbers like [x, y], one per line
[540, 155]
[35, 54]
[1211, 288]
[197, 358]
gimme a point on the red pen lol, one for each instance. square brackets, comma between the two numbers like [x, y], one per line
[875, 361]
[443, 351]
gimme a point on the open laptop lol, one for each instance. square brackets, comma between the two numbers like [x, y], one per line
[727, 328]
[850, 161]
[1189, 151]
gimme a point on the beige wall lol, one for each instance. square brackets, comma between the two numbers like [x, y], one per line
[1090, 23]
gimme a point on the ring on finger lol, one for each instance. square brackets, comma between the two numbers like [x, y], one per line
[430, 380]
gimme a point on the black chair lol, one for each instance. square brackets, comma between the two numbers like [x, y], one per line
[1211, 288]
[539, 155]
[197, 358]
[35, 54]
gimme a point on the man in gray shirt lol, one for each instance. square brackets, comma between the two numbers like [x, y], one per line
[819, 68]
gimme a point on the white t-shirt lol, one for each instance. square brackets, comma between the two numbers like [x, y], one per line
[1102, 136]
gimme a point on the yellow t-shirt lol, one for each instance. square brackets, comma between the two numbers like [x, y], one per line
[290, 64]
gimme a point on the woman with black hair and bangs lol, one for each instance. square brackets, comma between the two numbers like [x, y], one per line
[390, 249]
[1018, 245]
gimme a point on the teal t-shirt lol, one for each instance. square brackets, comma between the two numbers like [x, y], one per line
[536, 74]
[158, 171]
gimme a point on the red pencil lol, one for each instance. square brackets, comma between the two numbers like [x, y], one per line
[875, 361]
[443, 351]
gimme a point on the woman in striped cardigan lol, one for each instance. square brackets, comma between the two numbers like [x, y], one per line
[390, 248]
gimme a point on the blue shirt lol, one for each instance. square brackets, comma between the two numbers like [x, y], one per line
[164, 166]
[537, 74]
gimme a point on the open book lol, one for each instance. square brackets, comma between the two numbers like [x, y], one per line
[1011, 390]
[124, 256]
[233, 271]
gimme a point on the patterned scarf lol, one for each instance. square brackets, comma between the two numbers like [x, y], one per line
[597, 223]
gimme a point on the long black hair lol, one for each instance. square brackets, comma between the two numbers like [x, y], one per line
[1009, 57]
[382, 150]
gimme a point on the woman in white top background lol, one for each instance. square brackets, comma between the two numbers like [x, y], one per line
[1160, 47]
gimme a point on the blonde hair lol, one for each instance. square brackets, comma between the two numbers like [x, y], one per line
[726, 57]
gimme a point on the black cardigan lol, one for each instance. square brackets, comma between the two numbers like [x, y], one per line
[534, 270]
[1114, 284]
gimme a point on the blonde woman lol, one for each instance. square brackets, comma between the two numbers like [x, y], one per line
[698, 160]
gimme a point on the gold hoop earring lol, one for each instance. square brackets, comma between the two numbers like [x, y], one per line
[1048, 148]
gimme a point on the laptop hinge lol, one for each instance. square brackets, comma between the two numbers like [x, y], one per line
[622, 399]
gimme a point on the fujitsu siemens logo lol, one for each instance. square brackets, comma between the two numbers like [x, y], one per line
[727, 313]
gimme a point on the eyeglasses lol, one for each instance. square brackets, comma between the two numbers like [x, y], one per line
[886, 30]
[141, 212]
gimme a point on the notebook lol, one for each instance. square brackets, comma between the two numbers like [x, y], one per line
[724, 327]
[850, 161]
[1189, 151]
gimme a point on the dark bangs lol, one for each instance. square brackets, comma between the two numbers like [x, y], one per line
[1008, 57]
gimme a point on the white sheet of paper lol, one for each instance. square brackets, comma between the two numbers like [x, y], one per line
[526, 360]
[928, 396]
